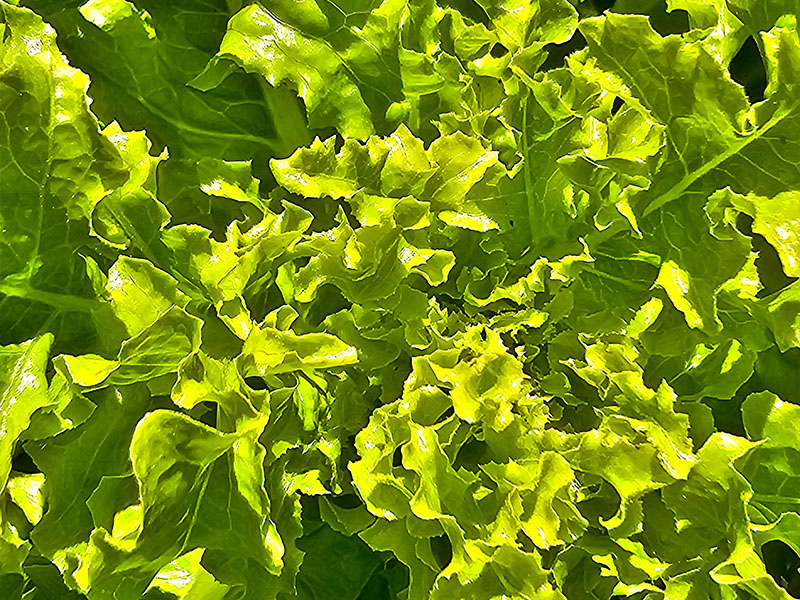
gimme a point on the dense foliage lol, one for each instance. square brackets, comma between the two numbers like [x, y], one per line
[370, 299]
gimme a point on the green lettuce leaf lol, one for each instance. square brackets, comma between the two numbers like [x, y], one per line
[403, 299]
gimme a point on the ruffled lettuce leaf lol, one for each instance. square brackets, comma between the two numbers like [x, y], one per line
[404, 299]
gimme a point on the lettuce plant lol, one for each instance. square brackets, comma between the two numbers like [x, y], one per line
[415, 299]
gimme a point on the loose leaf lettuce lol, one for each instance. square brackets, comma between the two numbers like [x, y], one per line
[399, 299]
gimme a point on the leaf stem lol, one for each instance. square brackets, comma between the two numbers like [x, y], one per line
[65, 302]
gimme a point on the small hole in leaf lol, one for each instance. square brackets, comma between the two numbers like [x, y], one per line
[255, 383]
[499, 50]
[208, 414]
[310, 506]
[549, 556]
[557, 53]
[744, 223]
[338, 143]
[525, 543]
[351, 218]
[397, 457]
[747, 69]
[446, 415]
[442, 550]
[508, 340]
[663, 21]
[669, 23]
[602, 6]
[23, 463]
[616, 105]
[727, 415]
[511, 222]
[450, 302]
[346, 501]
[783, 565]
[770, 269]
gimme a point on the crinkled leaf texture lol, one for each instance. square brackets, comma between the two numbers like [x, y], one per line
[399, 299]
